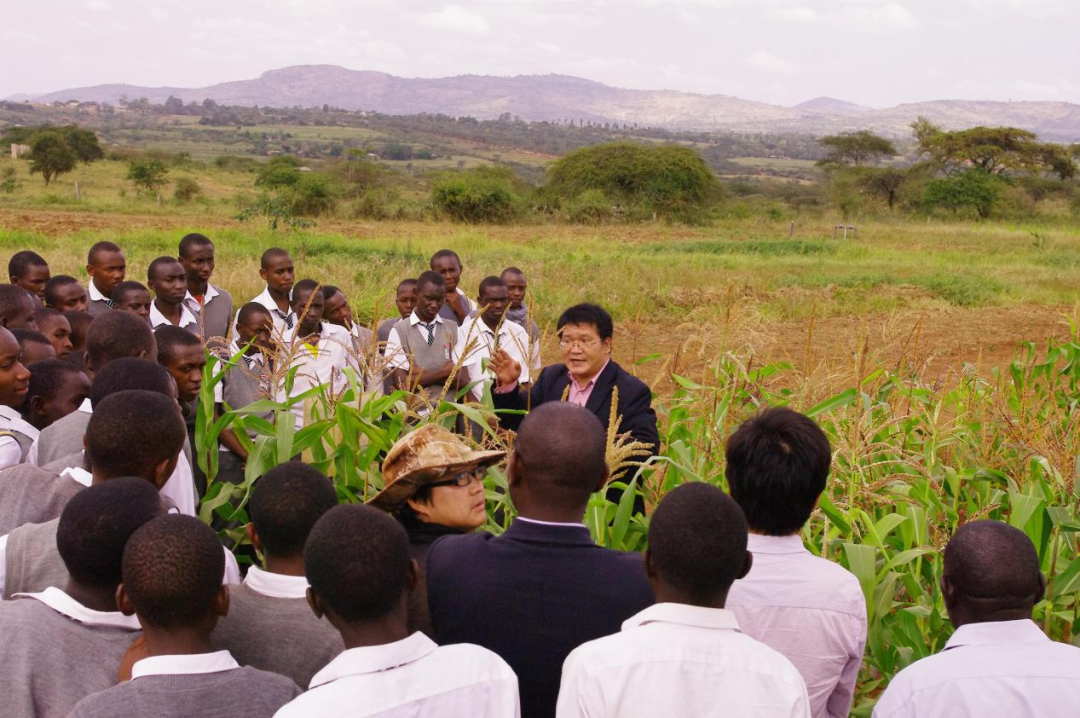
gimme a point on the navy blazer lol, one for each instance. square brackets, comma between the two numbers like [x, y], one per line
[635, 400]
[532, 595]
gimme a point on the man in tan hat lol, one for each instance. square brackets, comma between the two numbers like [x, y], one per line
[434, 487]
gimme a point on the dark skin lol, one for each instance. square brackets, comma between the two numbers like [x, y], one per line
[429, 300]
[406, 300]
[157, 473]
[309, 307]
[37, 275]
[198, 266]
[57, 330]
[279, 275]
[495, 301]
[44, 410]
[136, 301]
[388, 628]
[23, 316]
[535, 499]
[106, 270]
[14, 376]
[150, 356]
[34, 352]
[336, 310]
[169, 283]
[258, 327]
[963, 610]
[284, 565]
[516, 286]
[70, 297]
[450, 270]
[666, 593]
[186, 367]
[189, 640]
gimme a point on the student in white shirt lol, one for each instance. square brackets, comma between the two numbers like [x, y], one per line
[357, 562]
[16, 436]
[213, 305]
[518, 312]
[362, 356]
[167, 279]
[277, 270]
[483, 334]
[133, 297]
[317, 350]
[998, 662]
[685, 656]
[458, 306]
[106, 265]
[808, 608]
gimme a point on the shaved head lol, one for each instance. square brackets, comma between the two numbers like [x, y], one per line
[991, 570]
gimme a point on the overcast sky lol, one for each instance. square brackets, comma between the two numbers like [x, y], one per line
[874, 52]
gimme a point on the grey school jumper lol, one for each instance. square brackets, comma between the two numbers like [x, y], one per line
[32, 495]
[214, 315]
[51, 662]
[63, 437]
[244, 691]
[32, 562]
[276, 634]
[427, 357]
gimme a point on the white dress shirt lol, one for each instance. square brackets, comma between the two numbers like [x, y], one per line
[323, 367]
[193, 304]
[411, 678]
[476, 343]
[810, 609]
[677, 660]
[95, 294]
[396, 358]
[10, 451]
[187, 318]
[184, 665]
[1002, 669]
[283, 321]
[64, 604]
[275, 585]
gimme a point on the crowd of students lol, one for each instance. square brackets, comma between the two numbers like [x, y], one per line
[118, 601]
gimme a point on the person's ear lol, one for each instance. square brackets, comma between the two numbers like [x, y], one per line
[220, 605]
[422, 510]
[948, 591]
[162, 471]
[262, 273]
[88, 368]
[650, 570]
[412, 580]
[1041, 592]
[315, 603]
[123, 602]
[256, 542]
[748, 563]
[603, 479]
[514, 469]
[37, 406]
[606, 344]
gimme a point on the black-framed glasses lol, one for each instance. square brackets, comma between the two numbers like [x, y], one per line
[462, 478]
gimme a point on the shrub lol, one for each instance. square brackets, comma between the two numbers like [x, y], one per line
[9, 183]
[478, 195]
[313, 194]
[187, 189]
[590, 207]
[279, 172]
[149, 175]
[973, 192]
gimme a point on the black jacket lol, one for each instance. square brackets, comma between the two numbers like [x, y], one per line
[532, 595]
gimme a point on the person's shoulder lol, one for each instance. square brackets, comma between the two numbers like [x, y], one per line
[71, 461]
[269, 685]
[477, 659]
[25, 472]
[223, 293]
[457, 544]
[626, 380]
[110, 702]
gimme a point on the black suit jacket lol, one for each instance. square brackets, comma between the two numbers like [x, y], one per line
[532, 595]
[635, 400]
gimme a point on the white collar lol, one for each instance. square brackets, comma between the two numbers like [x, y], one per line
[375, 659]
[17, 423]
[548, 523]
[158, 319]
[414, 320]
[996, 633]
[86, 407]
[184, 665]
[275, 585]
[684, 615]
[78, 473]
[95, 293]
[211, 292]
[267, 301]
[235, 348]
[326, 331]
[60, 602]
[791, 544]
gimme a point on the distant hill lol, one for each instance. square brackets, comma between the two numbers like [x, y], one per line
[562, 98]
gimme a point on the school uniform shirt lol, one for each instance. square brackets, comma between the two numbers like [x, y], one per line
[283, 321]
[811, 610]
[16, 437]
[477, 342]
[57, 651]
[202, 684]
[673, 659]
[213, 312]
[188, 320]
[408, 347]
[1006, 669]
[97, 303]
[447, 312]
[413, 678]
[319, 363]
[244, 383]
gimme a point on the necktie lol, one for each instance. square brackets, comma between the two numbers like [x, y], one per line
[287, 318]
[430, 333]
[111, 304]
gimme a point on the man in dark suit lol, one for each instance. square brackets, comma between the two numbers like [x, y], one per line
[586, 377]
[543, 588]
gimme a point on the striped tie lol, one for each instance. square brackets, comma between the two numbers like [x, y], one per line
[287, 318]
[430, 333]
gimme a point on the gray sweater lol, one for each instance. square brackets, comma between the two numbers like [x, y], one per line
[215, 315]
[32, 495]
[62, 438]
[276, 634]
[32, 561]
[243, 691]
[51, 662]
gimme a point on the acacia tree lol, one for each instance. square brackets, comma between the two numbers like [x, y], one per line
[51, 155]
[993, 150]
[855, 149]
[150, 175]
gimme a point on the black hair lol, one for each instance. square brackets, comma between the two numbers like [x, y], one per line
[80, 322]
[993, 566]
[444, 253]
[24, 336]
[270, 255]
[777, 465]
[157, 264]
[172, 571]
[305, 285]
[48, 376]
[130, 373]
[126, 287]
[490, 282]
[410, 282]
[97, 523]
[54, 284]
[562, 446]
[100, 248]
[511, 270]
[286, 503]
[42, 314]
[193, 240]
[169, 338]
[697, 541]
[590, 314]
[357, 561]
[429, 277]
[248, 309]
[21, 262]
[329, 290]
[132, 431]
[12, 299]
[112, 335]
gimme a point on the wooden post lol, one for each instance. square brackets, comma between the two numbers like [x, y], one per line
[78, 192]
[159, 199]
[791, 232]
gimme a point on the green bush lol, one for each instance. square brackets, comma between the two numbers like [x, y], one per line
[973, 192]
[279, 172]
[186, 189]
[312, 194]
[9, 183]
[477, 195]
[590, 207]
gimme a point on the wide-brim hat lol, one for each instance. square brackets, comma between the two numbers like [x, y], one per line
[422, 457]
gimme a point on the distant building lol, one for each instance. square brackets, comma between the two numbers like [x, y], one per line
[18, 151]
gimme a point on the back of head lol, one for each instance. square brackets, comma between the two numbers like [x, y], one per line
[172, 572]
[561, 450]
[80, 324]
[357, 562]
[169, 338]
[285, 505]
[130, 373]
[13, 300]
[589, 315]
[777, 465]
[113, 335]
[132, 432]
[97, 523]
[21, 262]
[697, 542]
[993, 568]
[48, 376]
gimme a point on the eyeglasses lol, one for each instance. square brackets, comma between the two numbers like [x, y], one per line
[578, 343]
[463, 478]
